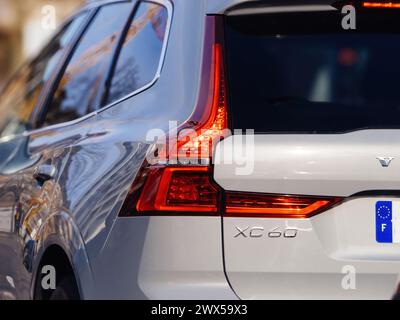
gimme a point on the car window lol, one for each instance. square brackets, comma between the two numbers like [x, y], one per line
[286, 76]
[141, 51]
[20, 97]
[76, 94]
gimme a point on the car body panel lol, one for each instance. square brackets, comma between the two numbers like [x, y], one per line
[97, 158]
[163, 258]
[284, 258]
[122, 134]
[343, 263]
[311, 164]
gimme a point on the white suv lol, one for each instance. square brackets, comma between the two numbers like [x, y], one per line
[123, 171]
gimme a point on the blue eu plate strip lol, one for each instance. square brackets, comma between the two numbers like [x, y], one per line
[384, 226]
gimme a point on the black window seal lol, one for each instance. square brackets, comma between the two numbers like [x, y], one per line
[40, 115]
[115, 56]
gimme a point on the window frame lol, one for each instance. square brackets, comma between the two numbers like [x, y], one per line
[90, 12]
[66, 62]
[117, 55]
[42, 110]
[86, 11]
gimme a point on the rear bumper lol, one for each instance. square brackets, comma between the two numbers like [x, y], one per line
[333, 255]
[162, 258]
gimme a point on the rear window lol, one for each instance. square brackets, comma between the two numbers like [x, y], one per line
[303, 73]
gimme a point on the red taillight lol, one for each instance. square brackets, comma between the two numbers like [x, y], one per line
[263, 205]
[195, 142]
[188, 189]
[179, 189]
[209, 123]
[163, 188]
[214, 120]
[388, 5]
[191, 190]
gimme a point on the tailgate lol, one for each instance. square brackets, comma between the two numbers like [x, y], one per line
[313, 202]
[339, 253]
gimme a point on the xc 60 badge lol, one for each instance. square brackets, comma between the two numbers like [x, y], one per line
[258, 232]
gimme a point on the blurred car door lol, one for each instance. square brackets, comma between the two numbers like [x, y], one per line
[64, 122]
[18, 102]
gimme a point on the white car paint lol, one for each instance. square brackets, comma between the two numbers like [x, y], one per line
[316, 263]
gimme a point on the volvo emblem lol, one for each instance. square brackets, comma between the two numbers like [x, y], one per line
[385, 161]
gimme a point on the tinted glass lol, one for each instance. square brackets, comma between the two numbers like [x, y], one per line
[287, 75]
[141, 52]
[21, 95]
[77, 91]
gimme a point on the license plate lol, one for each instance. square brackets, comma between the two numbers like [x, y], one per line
[387, 221]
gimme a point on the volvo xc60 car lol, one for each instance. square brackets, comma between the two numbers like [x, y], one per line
[204, 149]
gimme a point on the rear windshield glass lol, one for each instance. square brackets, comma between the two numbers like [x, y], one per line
[303, 73]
